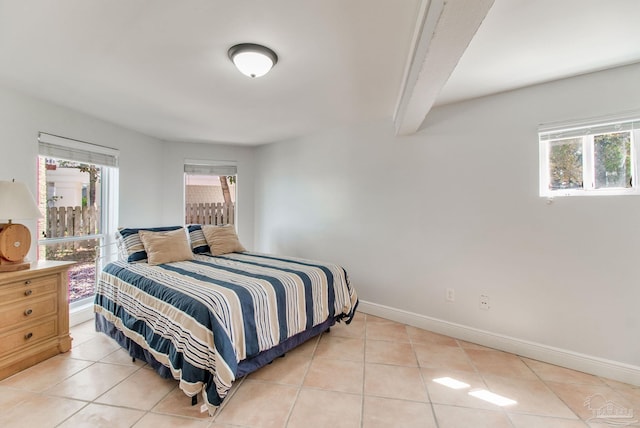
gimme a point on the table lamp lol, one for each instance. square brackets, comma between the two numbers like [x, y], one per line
[16, 202]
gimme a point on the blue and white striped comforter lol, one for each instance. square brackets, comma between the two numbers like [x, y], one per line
[201, 318]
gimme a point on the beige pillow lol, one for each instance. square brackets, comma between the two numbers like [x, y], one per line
[166, 247]
[222, 239]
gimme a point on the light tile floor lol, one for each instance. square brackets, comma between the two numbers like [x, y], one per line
[372, 373]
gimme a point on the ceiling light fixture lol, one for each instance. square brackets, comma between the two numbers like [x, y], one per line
[252, 60]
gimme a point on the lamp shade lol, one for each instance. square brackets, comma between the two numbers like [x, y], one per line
[17, 202]
[253, 60]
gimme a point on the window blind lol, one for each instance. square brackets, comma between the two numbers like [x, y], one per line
[75, 150]
[210, 167]
[602, 126]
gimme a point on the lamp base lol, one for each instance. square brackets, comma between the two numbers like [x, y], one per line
[15, 240]
[7, 266]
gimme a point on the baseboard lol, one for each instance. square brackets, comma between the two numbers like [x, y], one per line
[80, 314]
[573, 360]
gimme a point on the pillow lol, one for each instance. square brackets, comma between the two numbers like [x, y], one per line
[122, 250]
[198, 242]
[130, 244]
[222, 239]
[166, 247]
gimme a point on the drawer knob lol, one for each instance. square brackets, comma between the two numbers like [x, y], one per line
[28, 312]
[28, 336]
[27, 282]
[28, 292]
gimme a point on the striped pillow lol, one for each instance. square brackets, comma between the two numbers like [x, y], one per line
[130, 243]
[196, 236]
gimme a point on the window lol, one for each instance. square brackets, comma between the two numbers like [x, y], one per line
[210, 192]
[596, 158]
[78, 185]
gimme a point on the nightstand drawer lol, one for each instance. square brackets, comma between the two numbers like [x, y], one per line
[28, 288]
[25, 336]
[27, 309]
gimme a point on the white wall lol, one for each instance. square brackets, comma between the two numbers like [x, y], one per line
[457, 205]
[174, 156]
[22, 117]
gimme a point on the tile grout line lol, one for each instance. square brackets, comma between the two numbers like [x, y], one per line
[313, 355]
[141, 367]
[551, 390]
[424, 382]
[484, 381]
[87, 403]
[69, 398]
[364, 368]
[145, 412]
[100, 395]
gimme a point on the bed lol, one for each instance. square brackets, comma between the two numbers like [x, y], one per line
[207, 319]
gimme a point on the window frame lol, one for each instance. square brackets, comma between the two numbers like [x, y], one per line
[587, 131]
[62, 148]
[211, 168]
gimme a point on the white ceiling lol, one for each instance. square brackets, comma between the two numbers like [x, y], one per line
[524, 42]
[161, 66]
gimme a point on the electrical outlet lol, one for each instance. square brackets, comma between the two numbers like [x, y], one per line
[451, 295]
[484, 302]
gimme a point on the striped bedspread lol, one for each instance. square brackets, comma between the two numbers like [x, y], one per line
[201, 318]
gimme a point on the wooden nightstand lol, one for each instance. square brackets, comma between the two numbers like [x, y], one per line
[34, 315]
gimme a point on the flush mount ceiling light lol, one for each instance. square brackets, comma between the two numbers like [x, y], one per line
[253, 60]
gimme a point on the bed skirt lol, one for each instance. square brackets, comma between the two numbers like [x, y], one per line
[244, 367]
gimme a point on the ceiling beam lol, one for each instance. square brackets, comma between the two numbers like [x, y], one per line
[443, 31]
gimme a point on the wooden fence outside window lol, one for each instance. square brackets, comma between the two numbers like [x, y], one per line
[62, 222]
[216, 213]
